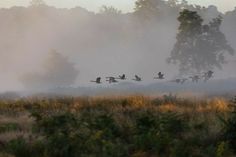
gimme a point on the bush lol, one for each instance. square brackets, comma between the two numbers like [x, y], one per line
[21, 148]
[158, 134]
[60, 133]
[69, 135]
[229, 131]
[8, 127]
[121, 128]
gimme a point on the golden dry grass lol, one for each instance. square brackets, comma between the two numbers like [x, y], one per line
[196, 109]
[197, 112]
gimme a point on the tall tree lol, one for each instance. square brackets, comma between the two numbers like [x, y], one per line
[199, 47]
[58, 71]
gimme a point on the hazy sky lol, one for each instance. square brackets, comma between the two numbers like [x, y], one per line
[124, 5]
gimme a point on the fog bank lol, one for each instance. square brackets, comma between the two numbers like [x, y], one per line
[98, 44]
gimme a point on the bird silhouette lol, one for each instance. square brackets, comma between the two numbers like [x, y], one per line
[137, 78]
[160, 76]
[208, 75]
[179, 80]
[122, 77]
[195, 78]
[183, 80]
[111, 80]
[98, 80]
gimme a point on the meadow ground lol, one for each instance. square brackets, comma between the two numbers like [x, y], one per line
[136, 126]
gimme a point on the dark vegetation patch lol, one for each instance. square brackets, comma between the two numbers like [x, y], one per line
[127, 126]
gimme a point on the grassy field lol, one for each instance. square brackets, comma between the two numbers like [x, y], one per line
[135, 126]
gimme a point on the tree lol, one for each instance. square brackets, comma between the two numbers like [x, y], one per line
[173, 3]
[152, 12]
[148, 8]
[37, 3]
[58, 72]
[109, 10]
[199, 47]
[184, 2]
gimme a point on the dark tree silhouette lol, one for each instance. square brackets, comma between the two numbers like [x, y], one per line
[58, 72]
[199, 47]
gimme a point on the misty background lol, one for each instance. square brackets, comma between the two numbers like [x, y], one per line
[89, 44]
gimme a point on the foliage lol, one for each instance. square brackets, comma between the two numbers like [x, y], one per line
[98, 133]
[148, 8]
[158, 134]
[36, 3]
[152, 9]
[199, 46]
[222, 149]
[58, 72]
[68, 135]
[109, 10]
[8, 127]
[119, 127]
[21, 148]
[229, 130]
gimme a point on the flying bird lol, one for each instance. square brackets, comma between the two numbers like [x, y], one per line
[208, 75]
[195, 78]
[137, 78]
[160, 76]
[179, 80]
[111, 80]
[183, 80]
[98, 80]
[122, 77]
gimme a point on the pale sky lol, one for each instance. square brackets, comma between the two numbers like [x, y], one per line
[124, 5]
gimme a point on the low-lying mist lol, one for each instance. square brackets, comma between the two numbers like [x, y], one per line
[90, 45]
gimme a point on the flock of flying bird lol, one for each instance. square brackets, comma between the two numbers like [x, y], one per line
[195, 78]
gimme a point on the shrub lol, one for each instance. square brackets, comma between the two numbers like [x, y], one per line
[59, 131]
[69, 135]
[222, 149]
[158, 134]
[21, 148]
[8, 127]
[229, 130]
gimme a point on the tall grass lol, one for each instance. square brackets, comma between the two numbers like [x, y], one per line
[137, 126]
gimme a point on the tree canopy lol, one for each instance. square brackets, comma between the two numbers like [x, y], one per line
[109, 10]
[58, 71]
[199, 46]
[37, 2]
